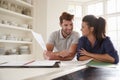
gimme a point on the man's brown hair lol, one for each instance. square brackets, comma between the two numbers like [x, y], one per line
[65, 16]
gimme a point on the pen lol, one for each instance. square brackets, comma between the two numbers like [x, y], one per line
[29, 62]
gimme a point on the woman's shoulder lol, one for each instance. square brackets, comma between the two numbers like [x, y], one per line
[107, 38]
[83, 38]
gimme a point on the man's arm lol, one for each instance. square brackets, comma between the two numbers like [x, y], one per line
[50, 54]
[62, 55]
[69, 55]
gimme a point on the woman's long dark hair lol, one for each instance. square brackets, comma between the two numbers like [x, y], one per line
[99, 25]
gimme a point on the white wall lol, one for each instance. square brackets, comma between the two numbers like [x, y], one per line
[54, 10]
[40, 25]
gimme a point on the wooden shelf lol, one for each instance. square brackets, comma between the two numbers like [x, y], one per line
[14, 27]
[21, 3]
[15, 14]
[17, 42]
[19, 18]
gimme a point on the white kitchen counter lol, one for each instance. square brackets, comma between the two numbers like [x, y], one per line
[36, 73]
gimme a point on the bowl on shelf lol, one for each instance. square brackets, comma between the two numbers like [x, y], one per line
[12, 23]
[23, 47]
[2, 50]
[12, 38]
[24, 50]
[2, 37]
[23, 25]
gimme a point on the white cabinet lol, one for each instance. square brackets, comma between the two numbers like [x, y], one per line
[16, 22]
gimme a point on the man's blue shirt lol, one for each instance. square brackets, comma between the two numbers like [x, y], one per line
[106, 47]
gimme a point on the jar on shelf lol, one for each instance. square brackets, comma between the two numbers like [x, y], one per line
[19, 9]
[4, 4]
[29, 26]
[12, 7]
[5, 22]
[28, 1]
[26, 11]
[0, 3]
[2, 50]
[11, 37]
[2, 37]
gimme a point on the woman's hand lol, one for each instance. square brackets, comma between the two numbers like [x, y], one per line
[84, 52]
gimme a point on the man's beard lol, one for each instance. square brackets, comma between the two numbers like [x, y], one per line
[65, 33]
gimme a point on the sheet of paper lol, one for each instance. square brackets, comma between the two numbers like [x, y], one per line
[74, 63]
[39, 39]
[14, 63]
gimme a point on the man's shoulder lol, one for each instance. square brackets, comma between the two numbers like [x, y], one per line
[74, 33]
[55, 34]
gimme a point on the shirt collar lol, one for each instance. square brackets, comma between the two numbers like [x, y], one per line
[88, 43]
[61, 36]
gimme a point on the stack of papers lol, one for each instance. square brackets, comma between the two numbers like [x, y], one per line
[30, 64]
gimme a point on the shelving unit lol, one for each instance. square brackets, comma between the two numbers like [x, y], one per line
[15, 30]
[13, 27]
[11, 13]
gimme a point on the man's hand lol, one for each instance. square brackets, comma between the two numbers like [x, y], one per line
[48, 55]
[45, 55]
[64, 53]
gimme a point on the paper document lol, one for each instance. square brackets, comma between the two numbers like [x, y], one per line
[39, 39]
[14, 63]
[99, 64]
[74, 63]
[42, 63]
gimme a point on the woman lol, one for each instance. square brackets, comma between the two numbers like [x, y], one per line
[94, 43]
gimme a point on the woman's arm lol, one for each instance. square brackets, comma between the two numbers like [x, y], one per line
[101, 57]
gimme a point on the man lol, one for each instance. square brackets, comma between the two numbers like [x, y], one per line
[62, 44]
